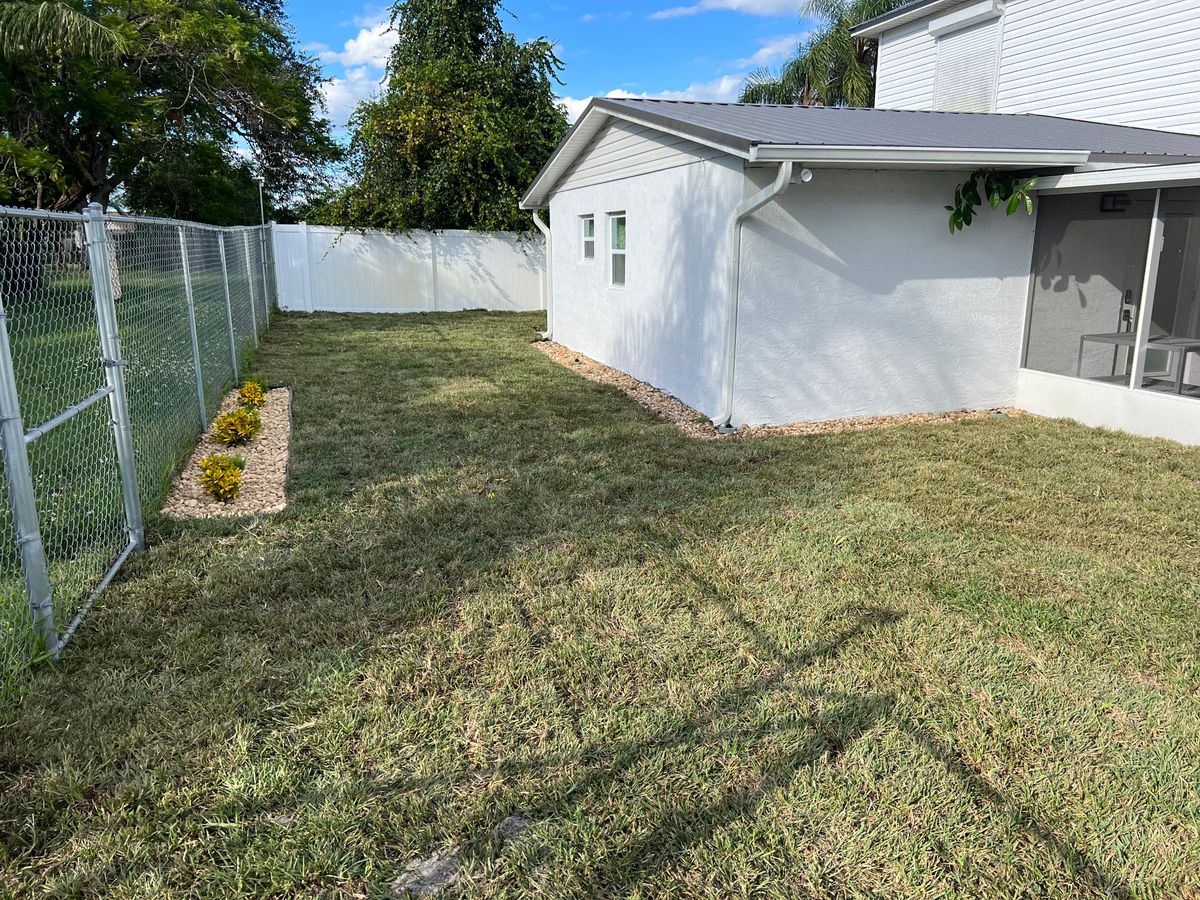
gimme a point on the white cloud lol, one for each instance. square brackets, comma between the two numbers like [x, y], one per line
[343, 94]
[749, 7]
[720, 90]
[575, 107]
[772, 51]
[370, 47]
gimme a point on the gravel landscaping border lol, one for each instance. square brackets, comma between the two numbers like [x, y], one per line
[697, 425]
[264, 477]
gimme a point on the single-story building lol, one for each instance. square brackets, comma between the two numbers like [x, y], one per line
[776, 264]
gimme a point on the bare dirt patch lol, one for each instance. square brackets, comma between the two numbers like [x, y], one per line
[263, 478]
[695, 424]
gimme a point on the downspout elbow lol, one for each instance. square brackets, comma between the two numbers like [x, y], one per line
[548, 277]
[748, 207]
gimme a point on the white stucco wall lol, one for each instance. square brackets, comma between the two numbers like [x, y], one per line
[665, 326]
[857, 301]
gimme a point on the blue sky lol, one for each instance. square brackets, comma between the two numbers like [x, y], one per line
[697, 49]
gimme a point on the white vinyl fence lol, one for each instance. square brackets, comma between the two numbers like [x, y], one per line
[327, 269]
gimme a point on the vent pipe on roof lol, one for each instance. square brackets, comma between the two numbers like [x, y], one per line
[783, 180]
[548, 278]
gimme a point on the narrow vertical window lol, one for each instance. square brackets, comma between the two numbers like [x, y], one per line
[616, 232]
[588, 230]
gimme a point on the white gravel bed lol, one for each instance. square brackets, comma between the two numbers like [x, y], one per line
[263, 478]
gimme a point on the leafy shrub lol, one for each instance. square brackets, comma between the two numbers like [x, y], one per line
[236, 427]
[253, 393]
[221, 476]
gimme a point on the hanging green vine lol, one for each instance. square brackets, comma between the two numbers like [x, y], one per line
[998, 187]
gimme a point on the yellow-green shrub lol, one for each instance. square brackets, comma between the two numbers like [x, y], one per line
[236, 427]
[252, 394]
[221, 476]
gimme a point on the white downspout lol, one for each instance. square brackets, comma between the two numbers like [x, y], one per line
[548, 334]
[748, 207]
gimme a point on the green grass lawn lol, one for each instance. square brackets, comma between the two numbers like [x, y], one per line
[939, 661]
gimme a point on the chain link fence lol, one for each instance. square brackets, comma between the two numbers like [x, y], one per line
[118, 337]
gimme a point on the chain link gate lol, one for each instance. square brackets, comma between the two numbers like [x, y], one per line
[118, 338]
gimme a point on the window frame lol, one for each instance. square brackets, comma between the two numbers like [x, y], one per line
[614, 251]
[585, 238]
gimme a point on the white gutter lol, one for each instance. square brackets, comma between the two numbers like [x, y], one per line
[549, 276]
[783, 180]
[916, 157]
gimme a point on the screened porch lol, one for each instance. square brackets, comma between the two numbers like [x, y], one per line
[1114, 303]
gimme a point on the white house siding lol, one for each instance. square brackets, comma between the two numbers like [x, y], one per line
[624, 149]
[907, 67]
[857, 301]
[666, 324]
[1128, 63]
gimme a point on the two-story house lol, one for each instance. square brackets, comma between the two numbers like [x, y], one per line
[772, 264]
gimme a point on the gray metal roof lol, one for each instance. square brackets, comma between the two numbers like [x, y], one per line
[741, 126]
[879, 138]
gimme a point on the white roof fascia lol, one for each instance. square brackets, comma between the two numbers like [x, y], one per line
[1178, 175]
[687, 136]
[589, 125]
[875, 27]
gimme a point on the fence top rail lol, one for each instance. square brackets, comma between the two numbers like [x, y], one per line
[78, 217]
[17, 212]
[452, 232]
[117, 218]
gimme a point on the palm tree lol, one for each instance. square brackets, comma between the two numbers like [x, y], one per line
[832, 68]
[53, 29]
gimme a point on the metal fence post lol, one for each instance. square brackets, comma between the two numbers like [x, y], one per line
[233, 354]
[191, 308]
[22, 499]
[262, 260]
[114, 373]
[250, 284]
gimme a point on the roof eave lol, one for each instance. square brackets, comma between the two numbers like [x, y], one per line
[873, 28]
[593, 119]
[917, 157]
[586, 127]
[1127, 178]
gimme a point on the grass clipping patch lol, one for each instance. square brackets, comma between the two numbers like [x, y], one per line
[264, 471]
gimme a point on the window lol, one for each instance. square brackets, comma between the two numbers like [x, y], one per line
[616, 247]
[967, 66]
[588, 230]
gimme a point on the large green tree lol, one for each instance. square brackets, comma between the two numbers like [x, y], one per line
[196, 180]
[92, 89]
[466, 118]
[832, 68]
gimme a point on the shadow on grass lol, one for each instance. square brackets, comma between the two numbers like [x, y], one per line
[436, 460]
